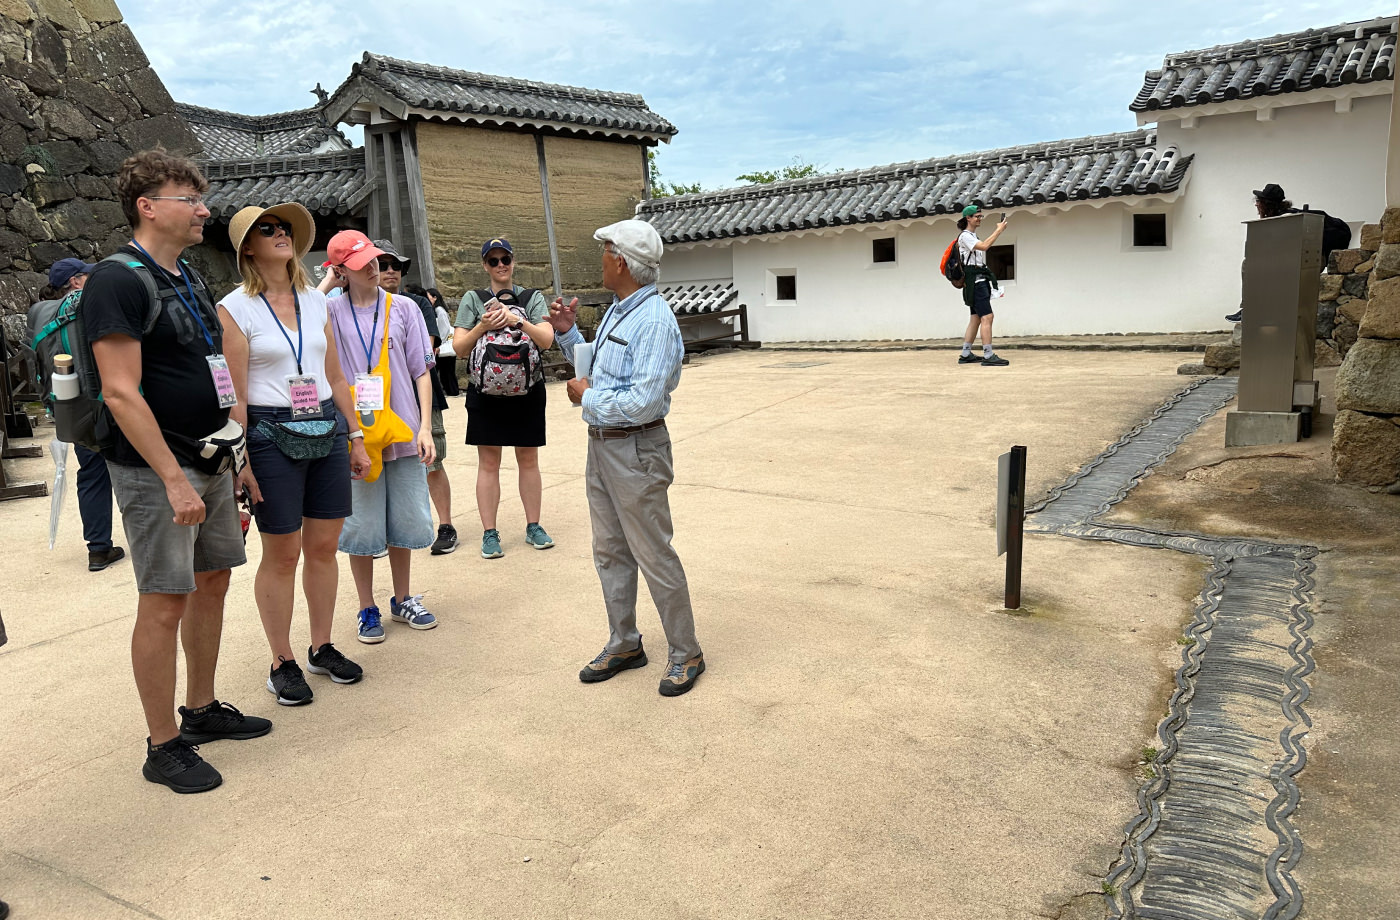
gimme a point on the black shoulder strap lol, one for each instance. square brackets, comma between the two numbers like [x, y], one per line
[484, 294]
[143, 271]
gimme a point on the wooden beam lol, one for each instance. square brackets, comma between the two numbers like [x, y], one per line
[391, 178]
[1392, 155]
[372, 170]
[549, 216]
[418, 208]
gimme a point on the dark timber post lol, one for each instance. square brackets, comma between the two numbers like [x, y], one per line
[1011, 519]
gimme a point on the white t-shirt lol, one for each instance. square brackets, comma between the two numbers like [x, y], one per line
[967, 246]
[272, 347]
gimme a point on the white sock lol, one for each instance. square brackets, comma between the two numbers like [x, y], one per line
[986, 351]
[967, 349]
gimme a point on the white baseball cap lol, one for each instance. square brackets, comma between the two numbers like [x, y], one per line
[633, 239]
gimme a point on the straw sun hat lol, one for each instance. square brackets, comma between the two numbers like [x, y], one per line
[303, 227]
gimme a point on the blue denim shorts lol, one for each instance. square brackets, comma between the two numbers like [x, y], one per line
[393, 510]
[294, 489]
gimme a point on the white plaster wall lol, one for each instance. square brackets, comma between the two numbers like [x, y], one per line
[1076, 270]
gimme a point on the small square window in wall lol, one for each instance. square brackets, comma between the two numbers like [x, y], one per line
[1002, 261]
[882, 250]
[1149, 229]
[786, 287]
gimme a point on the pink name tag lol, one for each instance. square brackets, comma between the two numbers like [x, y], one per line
[223, 381]
[306, 396]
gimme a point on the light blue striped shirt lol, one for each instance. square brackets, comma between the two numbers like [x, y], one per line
[636, 361]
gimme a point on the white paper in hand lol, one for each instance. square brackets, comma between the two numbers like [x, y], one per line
[583, 359]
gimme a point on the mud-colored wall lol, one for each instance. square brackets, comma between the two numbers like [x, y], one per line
[591, 184]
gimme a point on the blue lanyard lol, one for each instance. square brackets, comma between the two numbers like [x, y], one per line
[189, 304]
[296, 302]
[369, 357]
[600, 339]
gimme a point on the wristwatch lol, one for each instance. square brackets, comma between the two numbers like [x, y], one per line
[357, 433]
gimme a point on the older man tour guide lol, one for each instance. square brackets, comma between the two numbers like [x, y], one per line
[636, 364]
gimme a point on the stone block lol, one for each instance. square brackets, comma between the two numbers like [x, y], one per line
[1382, 311]
[93, 187]
[20, 289]
[1370, 237]
[1237, 334]
[1344, 261]
[1387, 262]
[38, 80]
[1194, 370]
[1352, 309]
[1324, 355]
[47, 49]
[148, 90]
[1326, 317]
[1246, 429]
[16, 10]
[12, 179]
[108, 53]
[11, 244]
[166, 130]
[1355, 285]
[103, 103]
[1365, 267]
[69, 157]
[1344, 333]
[1330, 287]
[99, 12]
[82, 219]
[1390, 226]
[12, 110]
[45, 190]
[1222, 356]
[1366, 448]
[61, 13]
[107, 156]
[45, 254]
[66, 120]
[13, 140]
[24, 217]
[1369, 379]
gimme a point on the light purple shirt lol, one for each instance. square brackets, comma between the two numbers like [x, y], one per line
[410, 353]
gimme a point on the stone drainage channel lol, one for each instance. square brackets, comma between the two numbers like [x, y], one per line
[1212, 838]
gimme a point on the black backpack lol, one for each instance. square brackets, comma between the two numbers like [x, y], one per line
[1336, 233]
[59, 329]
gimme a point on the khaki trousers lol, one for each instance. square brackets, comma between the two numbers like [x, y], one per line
[627, 479]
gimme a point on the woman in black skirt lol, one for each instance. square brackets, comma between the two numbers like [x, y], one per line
[494, 422]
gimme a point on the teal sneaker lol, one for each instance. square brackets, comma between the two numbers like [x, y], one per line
[536, 537]
[491, 545]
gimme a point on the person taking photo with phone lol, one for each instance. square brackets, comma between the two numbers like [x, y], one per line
[978, 283]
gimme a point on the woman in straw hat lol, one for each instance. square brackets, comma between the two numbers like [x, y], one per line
[296, 407]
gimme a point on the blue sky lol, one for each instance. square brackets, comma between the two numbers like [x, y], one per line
[749, 85]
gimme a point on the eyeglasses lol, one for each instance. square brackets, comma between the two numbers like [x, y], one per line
[270, 227]
[388, 265]
[493, 261]
[193, 201]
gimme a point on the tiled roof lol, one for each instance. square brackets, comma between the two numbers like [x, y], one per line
[1357, 52]
[229, 136]
[696, 297]
[327, 183]
[1091, 167]
[486, 99]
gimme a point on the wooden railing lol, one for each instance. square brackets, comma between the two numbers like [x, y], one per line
[14, 423]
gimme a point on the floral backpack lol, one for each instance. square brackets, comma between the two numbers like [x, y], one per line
[506, 362]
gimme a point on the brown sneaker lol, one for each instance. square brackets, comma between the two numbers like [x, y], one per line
[681, 677]
[609, 665]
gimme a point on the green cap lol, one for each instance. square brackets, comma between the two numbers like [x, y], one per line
[970, 210]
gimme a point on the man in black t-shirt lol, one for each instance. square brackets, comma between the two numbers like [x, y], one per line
[167, 390]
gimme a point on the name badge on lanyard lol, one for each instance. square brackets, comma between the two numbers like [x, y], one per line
[306, 396]
[369, 393]
[223, 381]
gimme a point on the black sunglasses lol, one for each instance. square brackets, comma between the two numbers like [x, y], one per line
[270, 227]
[389, 265]
[493, 261]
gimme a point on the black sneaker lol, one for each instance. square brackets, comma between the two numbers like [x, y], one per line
[287, 684]
[99, 561]
[1237, 316]
[218, 721]
[970, 359]
[328, 660]
[995, 361]
[446, 540]
[175, 764]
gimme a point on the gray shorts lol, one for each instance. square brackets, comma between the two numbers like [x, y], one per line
[439, 441]
[167, 555]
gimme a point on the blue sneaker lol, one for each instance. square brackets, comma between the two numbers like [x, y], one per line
[491, 545]
[412, 612]
[370, 630]
[536, 537]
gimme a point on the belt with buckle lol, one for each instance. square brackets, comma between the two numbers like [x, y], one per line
[605, 434]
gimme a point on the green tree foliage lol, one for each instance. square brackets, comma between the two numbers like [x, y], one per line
[798, 169]
[662, 189]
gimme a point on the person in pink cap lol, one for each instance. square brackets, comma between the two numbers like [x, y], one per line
[379, 335]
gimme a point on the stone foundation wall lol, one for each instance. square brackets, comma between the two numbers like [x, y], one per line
[1342, 297]
[1366, 440]
[77, 97]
